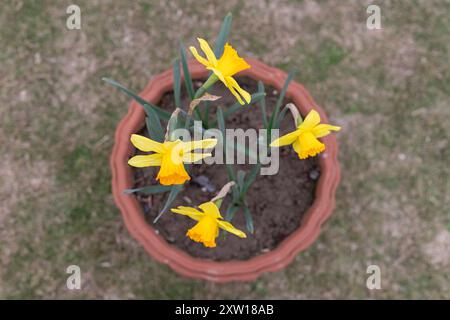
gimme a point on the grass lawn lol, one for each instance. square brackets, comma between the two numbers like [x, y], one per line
[389, 89]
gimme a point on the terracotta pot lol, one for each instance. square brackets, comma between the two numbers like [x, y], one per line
[180, 261]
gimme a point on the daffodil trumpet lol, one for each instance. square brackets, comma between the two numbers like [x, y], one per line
[304, 139]
[223, 69]
[209, 220]
[170, 156]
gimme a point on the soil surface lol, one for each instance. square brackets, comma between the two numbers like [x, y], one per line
[277, 202]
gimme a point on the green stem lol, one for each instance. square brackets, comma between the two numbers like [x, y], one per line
[206, 115]
[201, 91]
[219, 202]
[208, 83]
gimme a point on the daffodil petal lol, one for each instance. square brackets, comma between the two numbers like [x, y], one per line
[209, 208]
[208, 52]
[296, 146]
[311, 120]
[247, 97]
[149, 160]
[199, 58]
[219, 74]
[229, 85]
[321, 130]
[188, 211]
[146, 144]
[199, 144]
[236, 94]
[286, 139]
[194, 157]
[225, 225]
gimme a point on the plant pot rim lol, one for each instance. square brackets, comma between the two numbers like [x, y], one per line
[200, 268]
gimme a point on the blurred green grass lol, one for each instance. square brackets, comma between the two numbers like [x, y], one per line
[389, 89]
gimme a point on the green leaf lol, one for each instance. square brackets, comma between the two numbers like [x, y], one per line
[206, 114]
[170, 199]
[223, 34]
[250, 179]
[177, 82]
[154, 126]
[221, 123]
[231, 210]
[163, 114]
[280, 99]
[218, 202]
[187, 76]
[281, 117]
[173, 125]
[248, 220]
[230, 110]
[240, 178]
[230, 172]
[149, 189]
[235, 194]
[262, 103]
[187, 122]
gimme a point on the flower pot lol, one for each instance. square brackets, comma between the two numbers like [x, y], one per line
[180, 261]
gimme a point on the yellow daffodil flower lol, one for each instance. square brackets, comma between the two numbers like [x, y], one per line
[209, 221]
[304, 139]
[170, 156]
[224, 68]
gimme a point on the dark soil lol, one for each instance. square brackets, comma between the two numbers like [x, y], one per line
[277, 202]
